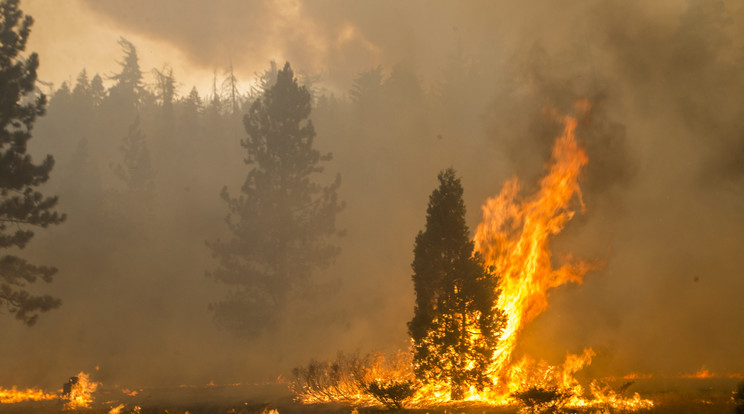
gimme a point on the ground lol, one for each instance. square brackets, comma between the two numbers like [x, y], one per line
[680, 396]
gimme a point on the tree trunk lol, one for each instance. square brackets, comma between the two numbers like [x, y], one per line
[457, 390]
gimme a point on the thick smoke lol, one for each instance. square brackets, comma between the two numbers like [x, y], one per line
[461, 84]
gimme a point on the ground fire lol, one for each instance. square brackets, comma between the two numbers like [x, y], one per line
[514, 240]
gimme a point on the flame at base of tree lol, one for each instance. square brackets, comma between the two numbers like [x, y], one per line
[513, 239]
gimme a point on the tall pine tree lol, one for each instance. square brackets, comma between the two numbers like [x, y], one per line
[455, 327]
[22, 206]
[283, 223]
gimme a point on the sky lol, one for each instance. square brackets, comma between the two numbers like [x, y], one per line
[663, 187]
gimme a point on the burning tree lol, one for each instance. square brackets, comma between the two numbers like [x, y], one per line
[21, 205]
[282, 222]
[455, 326]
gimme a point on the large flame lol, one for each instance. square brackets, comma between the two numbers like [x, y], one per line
[81, 393]
[514, 240]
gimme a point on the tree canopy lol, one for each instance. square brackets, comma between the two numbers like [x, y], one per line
[283, 221]
[455, 327]
[22, 206]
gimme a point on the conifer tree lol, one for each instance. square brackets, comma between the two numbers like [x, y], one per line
[455, 327]
[283, 222]
[97, 91]
[136, 170]
[22, 206]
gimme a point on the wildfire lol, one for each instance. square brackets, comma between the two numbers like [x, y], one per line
[514, 240]
[14, 395]
[702, 373]
[81, 392]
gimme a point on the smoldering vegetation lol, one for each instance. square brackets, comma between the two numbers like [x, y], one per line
[440, 84]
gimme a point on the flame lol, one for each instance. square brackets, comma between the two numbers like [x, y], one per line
[117, 409]
[514, 240]
[636, 375]
[81, 393]
[14, 395]
[701, 373]
[131, 393]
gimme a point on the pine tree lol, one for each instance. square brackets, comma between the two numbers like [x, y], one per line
[21, 205]
[283, 222]
[165, 88]
[231, 91]
[128, 83]
[97, 91]
[455, 328]
[136, 170]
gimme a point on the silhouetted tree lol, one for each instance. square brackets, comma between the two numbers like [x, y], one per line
[455, 327]
[231, 91]
[190, 113]
[97, 91]
[82, 86]
[128, 82]
[367, 87]
[283, 221]
[135, 170]
[265, 80]
[165, 89]
[21, 205]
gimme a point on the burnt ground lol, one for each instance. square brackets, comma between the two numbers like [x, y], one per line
[689, 395]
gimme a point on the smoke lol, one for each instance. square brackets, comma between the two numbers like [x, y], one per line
[461, 84]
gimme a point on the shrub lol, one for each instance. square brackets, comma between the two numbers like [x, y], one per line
[542, 400]
[392, 394]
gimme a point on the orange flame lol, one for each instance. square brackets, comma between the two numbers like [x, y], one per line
[14, 395]
[81, 393]
[514, 238]
[701, 373]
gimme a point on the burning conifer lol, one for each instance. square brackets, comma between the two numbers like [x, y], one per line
[454, 328]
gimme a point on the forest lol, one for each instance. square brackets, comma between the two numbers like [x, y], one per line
[149, 174]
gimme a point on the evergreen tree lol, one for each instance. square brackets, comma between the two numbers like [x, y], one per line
[455, 327]
[128, 93]
[231, 91]
[165, 89]
[82, 86]
[283, 221]
[128, 83]
[136, 170]
[97, 91]
[21, 205]
[367, 87]
[265, 80]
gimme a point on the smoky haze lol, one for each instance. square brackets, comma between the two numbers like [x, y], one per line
[403, 90]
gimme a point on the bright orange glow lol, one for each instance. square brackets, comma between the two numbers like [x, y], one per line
[514, 240]
[131, 393]
[14, 395]
[702, 373]
[81, 393]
